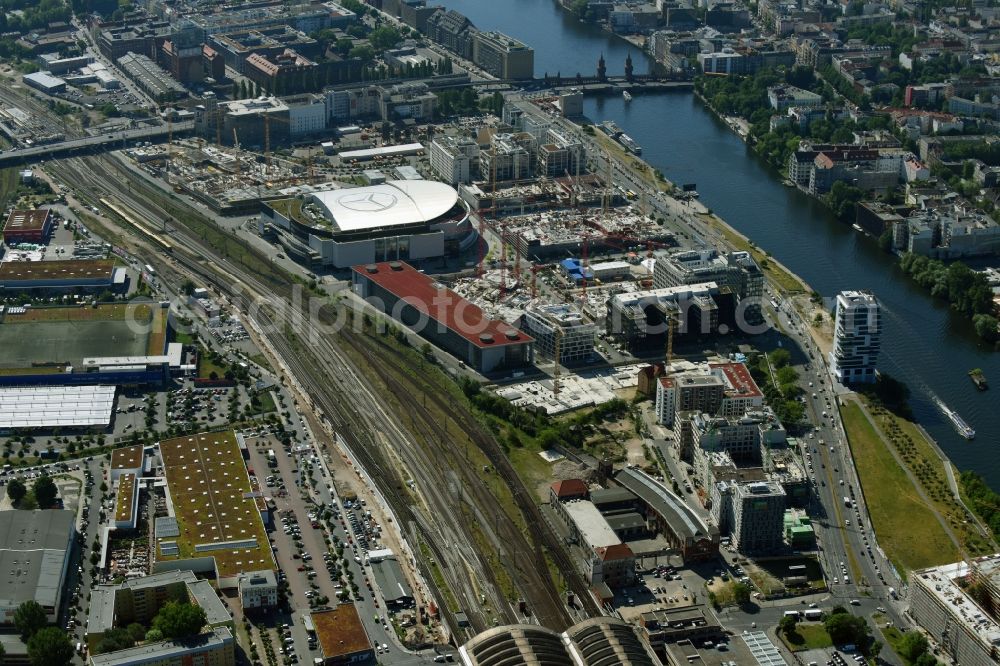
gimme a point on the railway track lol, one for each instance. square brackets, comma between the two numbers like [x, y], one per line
[451, 495]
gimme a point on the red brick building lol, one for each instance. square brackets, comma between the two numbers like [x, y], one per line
[28, 226]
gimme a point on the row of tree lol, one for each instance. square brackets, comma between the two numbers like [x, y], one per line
[966, 290]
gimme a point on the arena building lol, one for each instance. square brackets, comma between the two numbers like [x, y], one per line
[406, 220]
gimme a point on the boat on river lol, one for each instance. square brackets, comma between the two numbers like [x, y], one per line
[963, 428]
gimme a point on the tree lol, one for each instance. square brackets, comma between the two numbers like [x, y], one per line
[845, 628]
[179, 620]
[50, 647]
[45, 491]
[926, 659]
[136, 632]
[741, 593]
[29, 618]
[16, 491]
[154, 635]
[912, 645]
[385, 37]
[780, 358]
[787, 624]
[188, 287]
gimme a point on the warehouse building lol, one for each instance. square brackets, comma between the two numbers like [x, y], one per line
[77, 274]
[151, 78]
[342, 636]
[390, 580]
[503, 56]
[45, 82]
[443, 317]
[35, 551]
[28, 226]
[56, 407]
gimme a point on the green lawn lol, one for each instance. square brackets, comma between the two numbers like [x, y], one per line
[808, 636]
[907, 528]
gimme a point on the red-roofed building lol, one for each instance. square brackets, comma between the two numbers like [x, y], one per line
[614, 565]
[443, 317]
[741, 393]
[568, 489]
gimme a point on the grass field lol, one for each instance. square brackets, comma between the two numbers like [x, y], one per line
[906, 526]
[808, 636]
[784, 280]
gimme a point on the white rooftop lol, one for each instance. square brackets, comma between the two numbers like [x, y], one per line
[56, 406]
[941, 582]
[392, 203]
[593, 526]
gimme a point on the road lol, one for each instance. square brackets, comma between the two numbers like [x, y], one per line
[91, 144]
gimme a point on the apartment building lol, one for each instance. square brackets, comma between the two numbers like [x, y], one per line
[857, 338]
[563, 325]
[455, 159]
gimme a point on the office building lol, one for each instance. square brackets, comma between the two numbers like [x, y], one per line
[565, 323]
[509, 158]
[641, 318]
[956, 604]
[560, 155]
[736, 270]
[752, 514]
[455, 159]
[503, 56]
[857, 337]
[258, 589]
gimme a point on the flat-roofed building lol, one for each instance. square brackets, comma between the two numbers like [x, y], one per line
[443, 317]
[126, 502]
[25, 408]
[258, 589]
[502, 55]
[455, 159]
[662, 626]
[563, 325]
[28, 226]
[77, 274]
[753, 514]
[956, 605]
[342, 636]
[35, 553]
[213, 648]
[214, 524]
[601, 555]
[127, 460]
[140, 599]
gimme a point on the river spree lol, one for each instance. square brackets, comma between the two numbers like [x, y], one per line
[924, 343]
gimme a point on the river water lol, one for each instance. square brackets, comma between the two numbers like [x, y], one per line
[924, 343]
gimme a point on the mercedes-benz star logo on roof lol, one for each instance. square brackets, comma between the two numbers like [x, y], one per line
[368, 202]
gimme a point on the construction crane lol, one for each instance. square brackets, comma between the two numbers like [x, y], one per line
[671, 325]
[267, 138]
[558, 356]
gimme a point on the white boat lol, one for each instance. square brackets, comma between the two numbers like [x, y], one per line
[857, 227]
[627, 95]
[963, 428]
